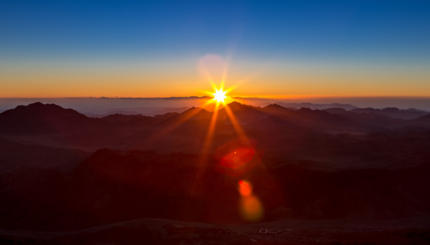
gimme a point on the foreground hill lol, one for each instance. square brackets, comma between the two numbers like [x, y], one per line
[298, 232]
[111, 186]
[18, 156]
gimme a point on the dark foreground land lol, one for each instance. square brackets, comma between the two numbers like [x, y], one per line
[331, 176]
[160, 231]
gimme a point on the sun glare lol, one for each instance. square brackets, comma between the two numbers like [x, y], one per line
[220, 95]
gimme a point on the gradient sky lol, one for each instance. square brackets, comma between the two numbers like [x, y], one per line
[167, 48]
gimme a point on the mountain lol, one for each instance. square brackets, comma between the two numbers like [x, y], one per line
[41, 118]
[54, 126]
[111, 186]
[15, 156]
[425, 118]
[328, 175]
[315, 119]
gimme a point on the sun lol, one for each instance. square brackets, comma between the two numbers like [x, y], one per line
[219, 95]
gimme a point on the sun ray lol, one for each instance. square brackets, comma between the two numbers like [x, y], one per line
[159, 134]
[239, 131]
[207, 143]
[208, 139]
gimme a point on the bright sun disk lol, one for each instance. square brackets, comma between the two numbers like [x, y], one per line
[219, 95]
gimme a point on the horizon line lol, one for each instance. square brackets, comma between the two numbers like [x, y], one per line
[234, 97]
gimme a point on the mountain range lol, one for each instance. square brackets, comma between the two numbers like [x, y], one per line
[61, 170]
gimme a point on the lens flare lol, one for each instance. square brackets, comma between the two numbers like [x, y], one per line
[245, 188]
[250, 206]
[238, 158]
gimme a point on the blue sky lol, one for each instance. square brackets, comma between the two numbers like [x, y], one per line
[338, 28]
[371, 32]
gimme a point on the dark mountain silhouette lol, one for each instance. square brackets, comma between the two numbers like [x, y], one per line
[159, 176]
[425, 118]
[315, 119]
[55, 126]
[20, 156]
[111, 186]
[50, 118]
[40, 118]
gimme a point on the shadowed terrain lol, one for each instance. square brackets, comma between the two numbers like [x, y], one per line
[327, 176]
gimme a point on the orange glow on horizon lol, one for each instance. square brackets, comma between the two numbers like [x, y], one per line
[178, 77]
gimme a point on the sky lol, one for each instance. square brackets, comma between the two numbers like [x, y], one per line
[284, 49]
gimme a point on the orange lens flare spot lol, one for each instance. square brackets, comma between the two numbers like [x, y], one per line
[245, 188]
[251, 208]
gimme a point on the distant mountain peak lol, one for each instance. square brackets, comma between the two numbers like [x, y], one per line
[239, 106]
[234, 103]
[195, 110]
[37, 104]
[274, 106]
[39, 117]
[45, 109]
[42, 105]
